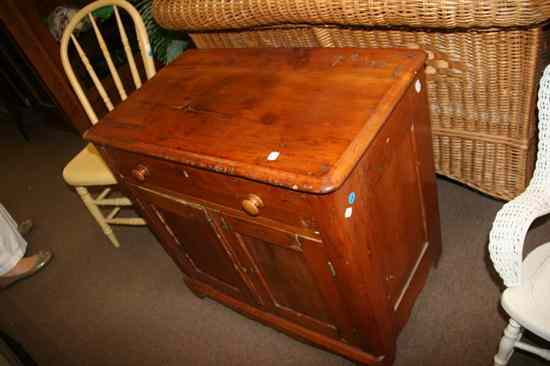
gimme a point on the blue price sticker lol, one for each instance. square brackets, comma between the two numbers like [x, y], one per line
[351, 198]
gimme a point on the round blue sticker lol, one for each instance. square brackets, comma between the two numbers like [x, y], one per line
[351, 198]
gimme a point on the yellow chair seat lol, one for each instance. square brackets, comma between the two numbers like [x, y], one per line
[88, 169]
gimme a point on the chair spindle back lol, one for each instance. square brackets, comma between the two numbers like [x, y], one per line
[143, 43]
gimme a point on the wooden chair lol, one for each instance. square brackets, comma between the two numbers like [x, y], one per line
[528, 281]
[88, 168]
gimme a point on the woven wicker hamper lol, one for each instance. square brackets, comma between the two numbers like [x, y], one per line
[484, 62]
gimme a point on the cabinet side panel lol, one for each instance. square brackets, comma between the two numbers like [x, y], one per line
[345, 230]
[431, 252]
[425, 158]
[394, 202]
[376, 226]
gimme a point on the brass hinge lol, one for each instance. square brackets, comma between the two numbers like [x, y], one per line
[331, 269]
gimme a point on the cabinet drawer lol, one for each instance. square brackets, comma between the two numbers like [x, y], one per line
[275, 203]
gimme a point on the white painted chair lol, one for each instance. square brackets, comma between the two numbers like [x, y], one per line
[526, 298]
[88, 168]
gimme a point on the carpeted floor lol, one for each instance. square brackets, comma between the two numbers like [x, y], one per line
[96, 305]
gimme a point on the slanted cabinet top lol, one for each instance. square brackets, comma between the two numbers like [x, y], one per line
[298, 118]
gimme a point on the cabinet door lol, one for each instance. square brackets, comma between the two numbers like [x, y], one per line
[293, 275]
[190, 235]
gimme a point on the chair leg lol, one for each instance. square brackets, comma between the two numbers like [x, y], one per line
[512, 334]
[97, 214]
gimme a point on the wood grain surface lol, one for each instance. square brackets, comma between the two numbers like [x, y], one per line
[343, 226]
[228, 110]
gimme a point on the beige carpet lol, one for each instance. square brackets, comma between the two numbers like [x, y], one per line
[96, 305]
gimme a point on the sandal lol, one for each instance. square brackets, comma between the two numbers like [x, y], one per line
[44, 256]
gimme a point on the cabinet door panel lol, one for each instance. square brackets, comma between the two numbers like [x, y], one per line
[192, 236]
[294, 275]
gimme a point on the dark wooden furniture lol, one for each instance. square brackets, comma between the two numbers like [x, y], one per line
[294, 186]
[23, 22]
[22, 90]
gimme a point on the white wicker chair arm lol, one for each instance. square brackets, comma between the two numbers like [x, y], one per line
[509, 230]
[514, 218]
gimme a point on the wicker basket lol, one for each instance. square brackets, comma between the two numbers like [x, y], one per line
[484, 61]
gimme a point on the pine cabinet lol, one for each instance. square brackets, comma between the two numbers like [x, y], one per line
[294, 186]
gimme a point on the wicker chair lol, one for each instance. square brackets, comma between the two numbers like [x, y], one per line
[528, 282]
[87, 168]
[485, 58]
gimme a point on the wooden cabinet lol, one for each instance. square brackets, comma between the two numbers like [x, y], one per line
[294, 186]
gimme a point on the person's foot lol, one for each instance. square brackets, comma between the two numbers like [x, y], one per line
[24, 227]
[25, 268]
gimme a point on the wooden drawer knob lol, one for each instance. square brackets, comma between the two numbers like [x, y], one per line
[252, 204]
[140, 172]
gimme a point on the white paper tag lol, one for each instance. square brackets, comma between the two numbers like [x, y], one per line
[274, 155]
[418, 86]
[348, 212]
